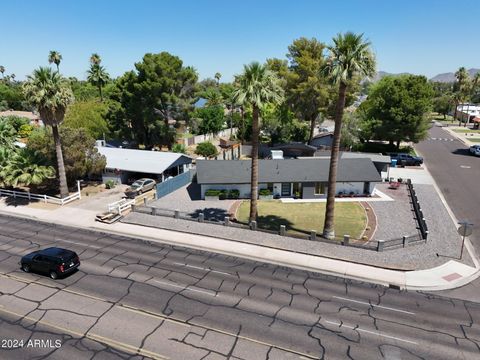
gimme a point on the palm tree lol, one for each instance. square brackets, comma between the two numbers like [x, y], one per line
[51, 94]
[7, 135]
[26, 167]
[349, 56]
[462, 81]
[2, 70]
[257, 86]
[95, 59]
[98, 76]
[217, 77]
[213, 97]
[55, 57]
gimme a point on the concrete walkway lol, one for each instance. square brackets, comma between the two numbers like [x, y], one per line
[379, 196]
[450, 275]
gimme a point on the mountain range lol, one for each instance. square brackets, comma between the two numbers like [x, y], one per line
[445, 77]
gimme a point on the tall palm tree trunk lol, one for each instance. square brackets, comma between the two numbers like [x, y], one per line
[328, 228]
[254, 177]
[312, 129]
[61, 166]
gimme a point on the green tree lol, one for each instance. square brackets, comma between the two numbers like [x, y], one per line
[461, 89]
[81, 156]
[26, 167]
[257, 86]
[443, 105]
[218, 76]
[349, 56]
[89, 115]
[11, 97]
[97, 75]
[401, 104]
[212, 119]
[2, 70]
[161, 89]
[8, 134]
[213, 97]
[50, 93]
[55, 57]
[206, 149]
[306, 85]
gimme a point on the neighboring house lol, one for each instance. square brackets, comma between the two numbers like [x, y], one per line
[306, 178]
[380, 161]
[290, 150]
[467, 112]
[323, 140]
[34, 118]
[125, 165]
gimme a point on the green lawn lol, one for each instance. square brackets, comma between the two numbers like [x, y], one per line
[463, 131]
[300, 218]
[475, 140]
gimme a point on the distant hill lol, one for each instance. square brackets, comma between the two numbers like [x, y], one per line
[381, 74]
[450, 76]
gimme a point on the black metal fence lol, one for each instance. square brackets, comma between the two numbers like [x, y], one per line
[422, 224]
[223, 218]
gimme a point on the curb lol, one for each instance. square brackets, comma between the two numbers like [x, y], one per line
[344, 269]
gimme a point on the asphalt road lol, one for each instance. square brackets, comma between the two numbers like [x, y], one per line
[457, 174]
[133, 299]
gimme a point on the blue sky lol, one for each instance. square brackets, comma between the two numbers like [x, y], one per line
[418, 36]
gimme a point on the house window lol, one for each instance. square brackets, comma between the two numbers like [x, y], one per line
[319, 188]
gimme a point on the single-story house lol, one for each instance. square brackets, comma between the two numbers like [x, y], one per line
[125, 165]
[323, 140]
[306, 178]
[31, 116]
[380, 161]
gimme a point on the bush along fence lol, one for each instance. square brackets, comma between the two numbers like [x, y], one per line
[42, 197]
[422, 224]
[225, 219]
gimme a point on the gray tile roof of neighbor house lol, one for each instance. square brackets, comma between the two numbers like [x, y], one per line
[285, 170]
[146, 161]
[355, 155]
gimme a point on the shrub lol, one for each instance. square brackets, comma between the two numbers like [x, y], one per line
[110, 184]
[265, 192]
[223, 194]
[212, 192]
[206, 149]
[179, 148]
[234, 194]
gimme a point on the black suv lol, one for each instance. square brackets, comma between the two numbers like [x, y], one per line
[52, 261]
[406, 159]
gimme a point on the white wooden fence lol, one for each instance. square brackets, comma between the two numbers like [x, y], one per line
[42, 197]
[121, 205]
[214, 138]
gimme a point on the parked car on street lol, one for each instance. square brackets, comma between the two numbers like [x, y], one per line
[140, 186]
[53, 261]
[475, 150]
[406, 159]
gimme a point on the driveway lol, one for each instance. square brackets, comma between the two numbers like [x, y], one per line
[188, 201]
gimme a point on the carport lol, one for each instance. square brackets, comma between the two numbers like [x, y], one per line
[126, 165]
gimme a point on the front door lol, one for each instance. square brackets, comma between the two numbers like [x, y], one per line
[286, 189]
[366, 187]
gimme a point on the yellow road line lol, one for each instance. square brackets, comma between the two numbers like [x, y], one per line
[176, 321]
[180, 322]
[107, 341]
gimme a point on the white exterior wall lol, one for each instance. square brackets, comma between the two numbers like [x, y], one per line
[348, 187]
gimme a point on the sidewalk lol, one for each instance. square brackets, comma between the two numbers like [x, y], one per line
[450, 275]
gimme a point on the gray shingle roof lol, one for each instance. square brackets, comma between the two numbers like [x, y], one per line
[150, 162]
[355, 155]
[285, 170]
